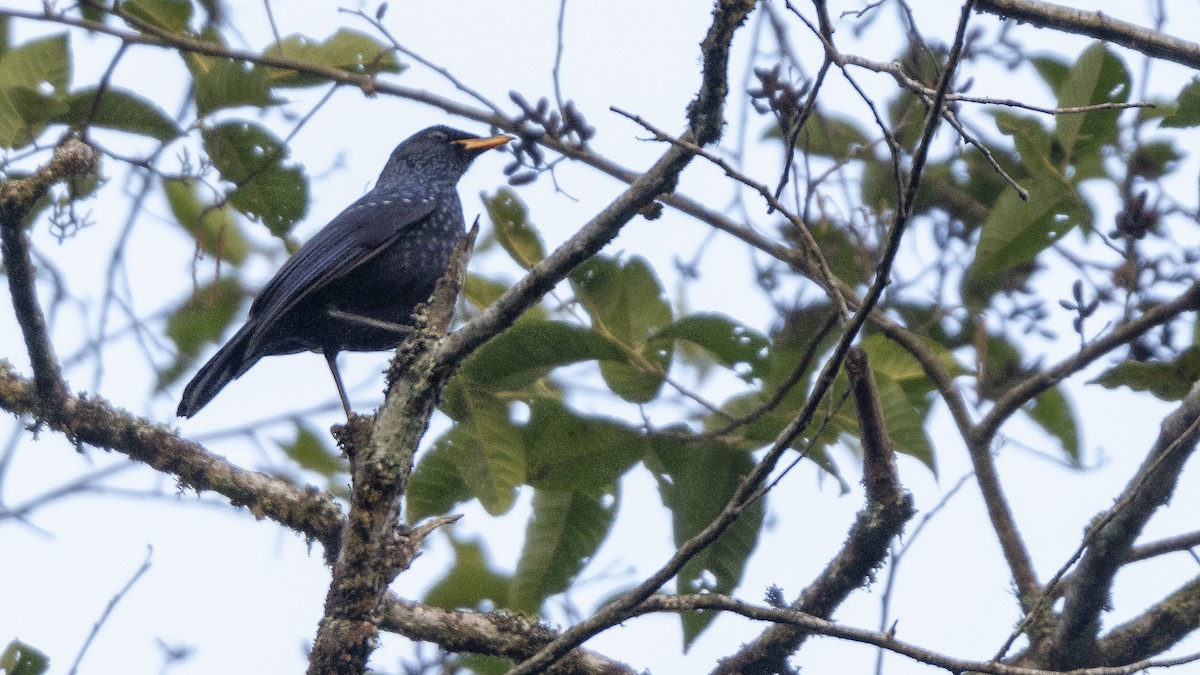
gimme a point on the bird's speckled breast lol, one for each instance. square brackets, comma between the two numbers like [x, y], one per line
[391, 285]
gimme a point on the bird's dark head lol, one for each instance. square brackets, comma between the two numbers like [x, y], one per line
[437, 154]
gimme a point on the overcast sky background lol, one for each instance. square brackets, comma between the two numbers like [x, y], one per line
[247, 595]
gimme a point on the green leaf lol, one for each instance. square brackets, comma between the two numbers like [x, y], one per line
[436, 485]
[695, 481]
[92, 12]
[225, 83]
[1017, 232]
[530, 349]
[489, 451]
[562, 536]
[469, 581]
[251, 157]
[626, 304]
[203, 318]
[1099, 76]
[19, 658]
[348, 50]
[905, 423]
[569, 452]
[480, 664]
[215, 228]
[25, 73]
[120, 110]
[311, 452]
[827, 135]
[510, 220]
[199, 321]
[1167, 380]
[1187, 108]
[1053, 71]
[1052, 412]
[1154, 159]
[735, 346]
[172, 16]
[480, 292]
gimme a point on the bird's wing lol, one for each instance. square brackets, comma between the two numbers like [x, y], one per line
[352, 238]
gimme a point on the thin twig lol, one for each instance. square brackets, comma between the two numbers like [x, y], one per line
[108, 609]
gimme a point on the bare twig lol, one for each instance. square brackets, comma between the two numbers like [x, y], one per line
[813, 624]
[108, 609]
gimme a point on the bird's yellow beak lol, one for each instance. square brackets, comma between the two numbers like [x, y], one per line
[482, 144]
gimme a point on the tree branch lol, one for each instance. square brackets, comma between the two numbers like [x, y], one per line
[1155, 631]
[501, 634]
[888, 641]
[72, 159]
[93, 421]
[311, 513]
[885, 511]
[1098, 25]
[373, 549]
[1109, 540]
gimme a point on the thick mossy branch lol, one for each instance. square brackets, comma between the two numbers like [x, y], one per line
[92, 421]
[374, 549]
[73, 158]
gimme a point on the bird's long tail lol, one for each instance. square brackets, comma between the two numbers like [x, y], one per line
[228, 364]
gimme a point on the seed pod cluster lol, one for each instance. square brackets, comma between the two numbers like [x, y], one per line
[776, 95]
[567, 125]
[1136, 220]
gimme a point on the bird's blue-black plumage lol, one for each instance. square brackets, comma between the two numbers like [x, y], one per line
[377, 260]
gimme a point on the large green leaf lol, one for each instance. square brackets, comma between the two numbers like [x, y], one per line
[25, 108]
[626, 303]
[215, 228]
[1168, 380]
[348, 50]
[121, 110]
[531, 348]
[1017, 231]
[905, 423]
[200, 321]
[489, 451]
[436, 485]
[480, 292]
[19, 658]
[569, 452]
[562, 536]
[696, 481]
[225, 83]
[1053, 71]
[310, 451]
[469, 581]
[1187, 108]
[1099, 76]
[829, 135]
[510, 221]
[172, 16]
[251, 158]
[1052, 412]
[735, 346]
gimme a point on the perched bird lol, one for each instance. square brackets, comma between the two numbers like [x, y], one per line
[354, 285]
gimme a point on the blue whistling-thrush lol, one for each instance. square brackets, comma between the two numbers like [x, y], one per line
[355, 284]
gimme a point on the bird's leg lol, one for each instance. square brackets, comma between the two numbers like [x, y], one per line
[331, 359]
[368, 321]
